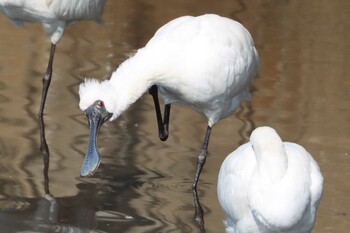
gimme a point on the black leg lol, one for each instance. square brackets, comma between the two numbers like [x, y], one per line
[165, 134]
[201, 158]
[163, 125]
[46, 81]
[199, 214]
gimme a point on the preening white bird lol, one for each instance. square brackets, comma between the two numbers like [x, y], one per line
[54, 15]
[205, 62]
[268, 186]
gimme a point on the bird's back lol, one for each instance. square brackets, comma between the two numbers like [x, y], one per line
[253, 204]
[233, 186]
[208, 62]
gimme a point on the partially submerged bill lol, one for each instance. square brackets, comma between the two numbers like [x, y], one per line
[97, 115]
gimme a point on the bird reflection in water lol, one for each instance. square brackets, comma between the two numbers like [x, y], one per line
[85, 210]
[48, 207]
[45, 153]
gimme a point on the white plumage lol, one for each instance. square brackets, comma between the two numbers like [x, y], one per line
[205, 62]
[54, 15]
[268, 186]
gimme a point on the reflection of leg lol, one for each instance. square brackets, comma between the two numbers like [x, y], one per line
[46, 81]
[199, 214]
[163, 125]
[46, 154]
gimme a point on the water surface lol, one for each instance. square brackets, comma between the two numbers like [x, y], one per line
[143, 184]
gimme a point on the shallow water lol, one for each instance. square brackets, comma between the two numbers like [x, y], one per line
[143, 184]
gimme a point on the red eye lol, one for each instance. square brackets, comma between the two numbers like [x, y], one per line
[101, 104]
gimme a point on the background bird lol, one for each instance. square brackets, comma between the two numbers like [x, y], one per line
[267, 185]
[54, 15]
[205, 62]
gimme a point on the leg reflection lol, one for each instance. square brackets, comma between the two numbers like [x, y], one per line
[46, 155]
[199, 213]
[48, 205]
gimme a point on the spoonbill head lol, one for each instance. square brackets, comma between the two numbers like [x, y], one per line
[267, 185]
[205, 62]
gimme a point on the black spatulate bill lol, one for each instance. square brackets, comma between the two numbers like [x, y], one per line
[97, 115]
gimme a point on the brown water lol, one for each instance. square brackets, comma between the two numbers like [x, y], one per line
[143, 184]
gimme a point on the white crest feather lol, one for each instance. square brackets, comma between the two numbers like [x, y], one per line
[91, 90]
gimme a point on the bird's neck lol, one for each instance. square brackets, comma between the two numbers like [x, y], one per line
[272, 164]
[132, 79]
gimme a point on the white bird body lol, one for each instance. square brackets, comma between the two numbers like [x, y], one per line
[205, 62]
[269, 186]
[54, 15]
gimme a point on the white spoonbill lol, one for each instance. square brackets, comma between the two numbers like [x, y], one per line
[269, 186]
[205, 62]
[54, 15]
